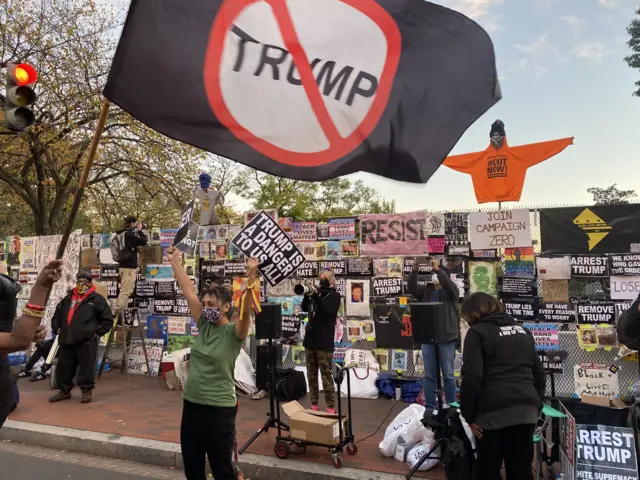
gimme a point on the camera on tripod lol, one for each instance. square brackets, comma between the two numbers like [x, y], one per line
[301, 289]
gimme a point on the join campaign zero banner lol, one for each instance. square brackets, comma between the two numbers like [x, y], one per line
[596, 230]
[389, 90]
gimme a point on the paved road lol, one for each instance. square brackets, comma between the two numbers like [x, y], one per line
[21, 462]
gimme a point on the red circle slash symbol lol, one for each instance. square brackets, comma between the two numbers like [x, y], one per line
[248, 118]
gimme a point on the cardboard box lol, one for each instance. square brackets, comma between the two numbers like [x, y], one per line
[312, 426]
[604, 402]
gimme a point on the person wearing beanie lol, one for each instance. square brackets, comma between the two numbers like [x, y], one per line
[133, 239]
[79, 320]
[208, 198]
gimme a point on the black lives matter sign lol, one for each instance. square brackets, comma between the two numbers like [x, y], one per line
[596, 312]
[263, 239]
[387, 286]
[589, 266]
[625, 264]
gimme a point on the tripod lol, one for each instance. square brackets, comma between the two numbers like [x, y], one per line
[438, 424]
[273, 417]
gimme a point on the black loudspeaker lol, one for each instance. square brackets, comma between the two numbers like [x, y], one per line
[428, 324]
[269, 322]
[268, 356]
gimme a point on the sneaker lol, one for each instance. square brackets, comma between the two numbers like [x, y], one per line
[23, 374]
[260, 395]
[314, 408]
[86, 396]
[61, 395]
[37, 377]
[332, 411]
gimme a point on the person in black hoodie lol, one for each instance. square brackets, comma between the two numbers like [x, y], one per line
[503, 385]
[322, 306]
[134, 238]
[629, 326]
[79, 319]
[449, 295]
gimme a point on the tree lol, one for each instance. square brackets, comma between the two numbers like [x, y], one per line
[634, 44]
[70, 43]
[611, 195]
[314, 201]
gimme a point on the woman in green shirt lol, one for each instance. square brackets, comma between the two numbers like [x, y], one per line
[208, 415]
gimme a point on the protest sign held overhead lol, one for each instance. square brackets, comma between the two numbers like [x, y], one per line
[265, 240]
[185, 240]
[261, 82]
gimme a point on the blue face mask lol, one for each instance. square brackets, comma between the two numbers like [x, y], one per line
[211, 315]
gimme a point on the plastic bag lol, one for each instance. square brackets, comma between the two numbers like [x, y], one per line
[419, 450]
[363, 383]
[405, 423]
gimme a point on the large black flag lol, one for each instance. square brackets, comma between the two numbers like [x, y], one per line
[306, 89]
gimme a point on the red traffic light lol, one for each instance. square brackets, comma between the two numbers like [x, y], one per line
[23, 74]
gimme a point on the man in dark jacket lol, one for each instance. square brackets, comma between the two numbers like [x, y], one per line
[448, 293]
[134, 238]
[629, 326]
[80, 319]
[323, 306]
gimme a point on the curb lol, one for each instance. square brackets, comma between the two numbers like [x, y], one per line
[166, 454]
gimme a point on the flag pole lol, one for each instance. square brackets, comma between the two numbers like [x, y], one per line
[102, 120]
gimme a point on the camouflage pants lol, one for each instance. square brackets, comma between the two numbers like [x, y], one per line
[323, 360]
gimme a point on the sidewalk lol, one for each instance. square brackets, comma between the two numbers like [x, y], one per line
[142, 415]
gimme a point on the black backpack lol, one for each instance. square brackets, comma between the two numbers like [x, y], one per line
[290, 384]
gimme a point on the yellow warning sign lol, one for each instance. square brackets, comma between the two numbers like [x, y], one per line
[595, 227]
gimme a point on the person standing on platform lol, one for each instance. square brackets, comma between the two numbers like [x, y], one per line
[27, 328]
[134, 238]
[210, 403]
[448, 293]
[322, 305]
[79, 320]
[208, 198]
[503, 384]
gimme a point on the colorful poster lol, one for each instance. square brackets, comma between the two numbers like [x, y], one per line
[395, 266]
[358, 298]
[137, 364]
[350, 248]
[178, 325]
[342, 228]
[15, 244]
[399, 360]
[157, 327]
[304, 232]
[394, 234]
[308, 249]
[545, 335]
[519, 262]
[436, 245]
[418, 361]
[382, 357]
[483, 277]
[158, 273]
[167, 235]
[334, 250]
[28, 253]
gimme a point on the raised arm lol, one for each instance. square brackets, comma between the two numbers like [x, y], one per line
[26, 326]
[244, 320]
[188, 290]
[464, 163]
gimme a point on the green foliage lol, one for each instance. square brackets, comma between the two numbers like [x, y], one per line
[634, 44]
[314, 201]
[611, 195]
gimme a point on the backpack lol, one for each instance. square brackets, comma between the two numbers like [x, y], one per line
[117, 246]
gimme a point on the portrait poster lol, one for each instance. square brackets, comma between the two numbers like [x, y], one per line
[28, 253]
[358, 298]
[483, 278]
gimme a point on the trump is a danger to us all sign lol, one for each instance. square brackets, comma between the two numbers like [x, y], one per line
[264, 239]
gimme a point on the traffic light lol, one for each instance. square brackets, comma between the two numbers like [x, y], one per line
[19, 95]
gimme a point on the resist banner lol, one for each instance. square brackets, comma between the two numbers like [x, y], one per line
[502, 229]
[265, 240]
[394, 234]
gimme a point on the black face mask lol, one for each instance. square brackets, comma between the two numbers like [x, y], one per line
[324, 283]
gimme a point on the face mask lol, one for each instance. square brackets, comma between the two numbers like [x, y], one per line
[324, 283]
[497, 141]
[211, 315]
[82, 288]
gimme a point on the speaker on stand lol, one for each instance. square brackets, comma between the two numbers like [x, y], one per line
[268, 327]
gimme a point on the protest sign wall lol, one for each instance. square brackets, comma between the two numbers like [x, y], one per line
[501, 229]
[394, 234]
[265, 240]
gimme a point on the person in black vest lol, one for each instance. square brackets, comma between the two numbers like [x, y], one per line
[323, 306]
[503, 385]
[79, 320]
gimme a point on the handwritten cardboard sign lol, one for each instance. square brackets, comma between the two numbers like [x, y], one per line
[501, 229]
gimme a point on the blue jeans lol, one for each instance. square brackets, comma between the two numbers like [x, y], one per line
[447, 356]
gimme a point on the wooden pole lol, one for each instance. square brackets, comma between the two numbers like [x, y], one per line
[102, 120]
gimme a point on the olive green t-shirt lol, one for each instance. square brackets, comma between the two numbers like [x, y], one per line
[213, 361]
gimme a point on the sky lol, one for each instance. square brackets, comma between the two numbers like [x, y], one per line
[562, 74]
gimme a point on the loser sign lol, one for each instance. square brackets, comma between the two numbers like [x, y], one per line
[501, 229]
[263, 239]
